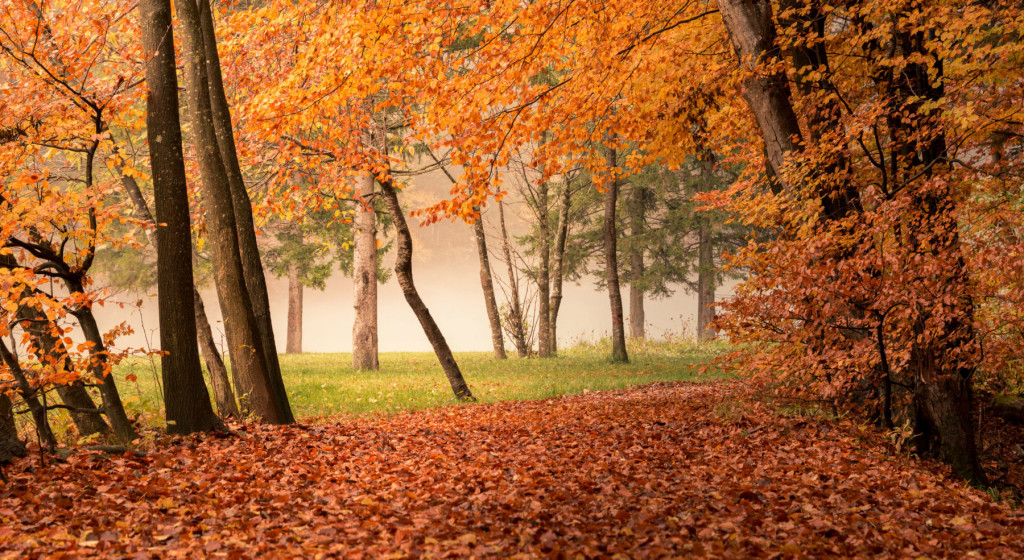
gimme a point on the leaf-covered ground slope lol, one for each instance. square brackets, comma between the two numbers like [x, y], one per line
[662, 470]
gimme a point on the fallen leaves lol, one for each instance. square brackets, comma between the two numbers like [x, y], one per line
[657, 471]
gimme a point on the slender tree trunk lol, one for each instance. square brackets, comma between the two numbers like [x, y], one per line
[252, 266]
[611, 260]
[403, 271]
[112, 404]
[517, 326]
[497, 340]
[51, 349]
[29, 394]
[706, 270]
[558, 259]
[245, 341]
[705, 282]
[222, 392]
[186, 401]
[543, 273]
[364, 276]
[294, 342]
[637, 318]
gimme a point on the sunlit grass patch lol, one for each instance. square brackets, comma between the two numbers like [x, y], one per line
[322, 385]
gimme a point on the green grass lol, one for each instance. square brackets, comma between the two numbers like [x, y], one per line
[322, 385]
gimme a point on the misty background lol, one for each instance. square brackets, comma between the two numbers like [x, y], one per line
[447, 275]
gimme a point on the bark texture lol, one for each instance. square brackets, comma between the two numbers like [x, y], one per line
[223, 394]
[186, 401]
[245, 342]
[611, 260]
[252, 265]
[752, 32]
[364, 279]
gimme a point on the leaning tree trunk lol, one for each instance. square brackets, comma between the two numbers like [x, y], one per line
[49, 348]
[558, 260]
[222, 392]
[186, 401]
[364, 276]
[253, 378]
[611, 261]
[252, 266]
[29, 394]
[403, 271]
[487, 283]
[543, 273]
[113, 407]
[294, 341]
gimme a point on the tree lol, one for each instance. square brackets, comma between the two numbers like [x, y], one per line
[253, 376]
[252, 267]
[611, 262]
[186, 402]
[364, 330]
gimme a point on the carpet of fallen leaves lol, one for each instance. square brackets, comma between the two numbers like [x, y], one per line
[665, 470]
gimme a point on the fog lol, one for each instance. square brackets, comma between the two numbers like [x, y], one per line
[446, 272]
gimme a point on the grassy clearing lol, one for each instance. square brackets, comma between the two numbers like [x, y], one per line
[322, 385]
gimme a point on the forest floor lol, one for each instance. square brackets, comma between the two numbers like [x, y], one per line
[664, 470]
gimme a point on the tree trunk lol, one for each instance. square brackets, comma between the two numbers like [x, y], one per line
[294, 341]
[51, 349]
[29, 394]
[543, 273]
[752, 32]
[517, 324]
[611, 260]
[706, 271]
[705, 282]
[364, 279]
[497, 340]
[112, 404]
[245, 342]
[252, 266]
[186, 401]
[403, 271]
[637, 318]
[222, 392]
[558, 259]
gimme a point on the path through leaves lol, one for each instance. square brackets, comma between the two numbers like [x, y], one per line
[663, 470]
